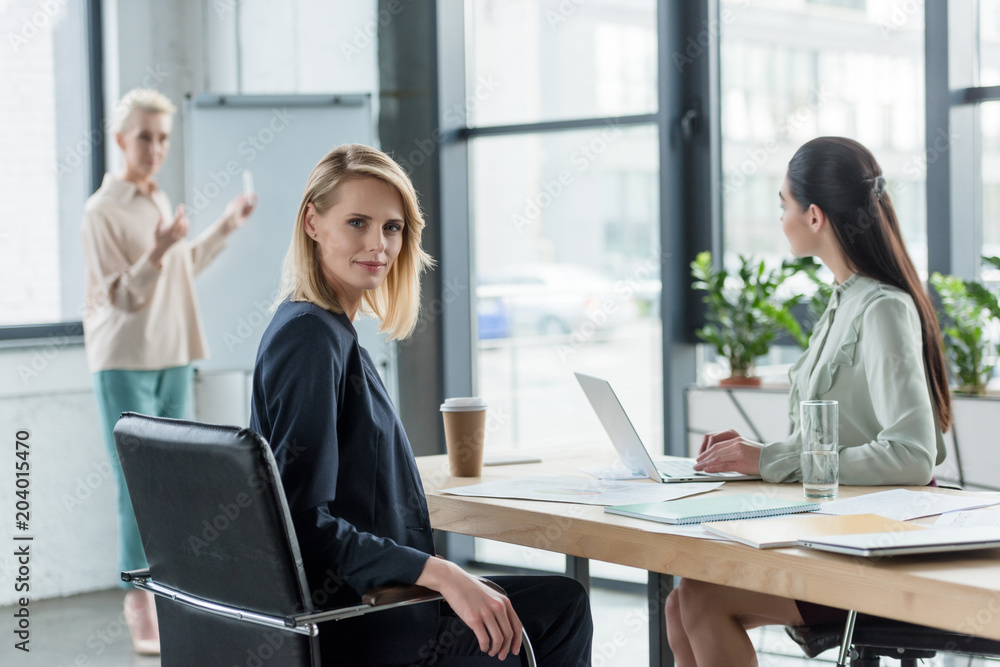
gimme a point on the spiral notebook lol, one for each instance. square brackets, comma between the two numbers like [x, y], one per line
[712, 508]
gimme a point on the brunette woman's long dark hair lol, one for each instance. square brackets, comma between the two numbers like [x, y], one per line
[844, 180]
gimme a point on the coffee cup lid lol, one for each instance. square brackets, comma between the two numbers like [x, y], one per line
[463, 404]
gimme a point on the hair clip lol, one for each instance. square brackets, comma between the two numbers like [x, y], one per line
[878, 185]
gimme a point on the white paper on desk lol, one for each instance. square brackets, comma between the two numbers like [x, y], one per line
[613, 472]
[903, 504]
[967, 519]
[581, 490]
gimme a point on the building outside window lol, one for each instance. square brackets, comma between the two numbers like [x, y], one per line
[46, 173]
[565, 225]
[792, 70]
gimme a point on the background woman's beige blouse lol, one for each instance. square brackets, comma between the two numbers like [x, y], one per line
[139, 316]
[866, 353]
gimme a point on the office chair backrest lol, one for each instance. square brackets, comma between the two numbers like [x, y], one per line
[214, 524]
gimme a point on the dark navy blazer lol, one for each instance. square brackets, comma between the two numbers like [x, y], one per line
[346, 465]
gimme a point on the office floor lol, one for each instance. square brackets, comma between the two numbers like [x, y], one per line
[89, 631]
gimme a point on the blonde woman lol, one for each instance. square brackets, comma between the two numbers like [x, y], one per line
[141, 324]
[346, 465]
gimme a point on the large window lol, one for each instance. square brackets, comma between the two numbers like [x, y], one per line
[565, 222]
[565, 214]
[794, 70]
[990, 118]
[568, 267]
[46, 171]
[555, 59]
[989, 42]
[989, 115]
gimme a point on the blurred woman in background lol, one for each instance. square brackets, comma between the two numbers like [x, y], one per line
[141, 324]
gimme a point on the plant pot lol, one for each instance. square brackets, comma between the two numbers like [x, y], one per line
[740, 381]
[968, 390]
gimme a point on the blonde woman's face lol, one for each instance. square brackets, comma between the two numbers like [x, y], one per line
[145, 142]
[359, 237]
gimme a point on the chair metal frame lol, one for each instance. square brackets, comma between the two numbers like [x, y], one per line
[897, 640]
[306, 624]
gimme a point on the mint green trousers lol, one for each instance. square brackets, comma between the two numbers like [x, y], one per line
[161, 393]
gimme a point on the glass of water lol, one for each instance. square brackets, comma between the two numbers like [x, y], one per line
[820, 460]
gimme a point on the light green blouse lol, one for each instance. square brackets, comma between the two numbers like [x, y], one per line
[866, 353]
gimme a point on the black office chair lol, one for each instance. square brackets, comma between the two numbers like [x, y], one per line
[224, 562]
[867, 639]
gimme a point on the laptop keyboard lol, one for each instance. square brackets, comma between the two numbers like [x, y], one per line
[685, 468]
[677, 468]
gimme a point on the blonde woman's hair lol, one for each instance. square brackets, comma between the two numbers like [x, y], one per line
[396, 302]
[139, 99]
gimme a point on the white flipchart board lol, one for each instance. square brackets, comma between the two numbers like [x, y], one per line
[279, 139]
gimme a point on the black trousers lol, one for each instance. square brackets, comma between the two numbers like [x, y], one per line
[554, 610]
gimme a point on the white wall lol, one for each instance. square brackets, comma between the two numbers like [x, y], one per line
[176, 46]
[47, 391]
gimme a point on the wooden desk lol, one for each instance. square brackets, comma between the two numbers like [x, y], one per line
[955, 592]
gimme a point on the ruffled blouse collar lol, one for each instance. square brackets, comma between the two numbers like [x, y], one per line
[813, 373]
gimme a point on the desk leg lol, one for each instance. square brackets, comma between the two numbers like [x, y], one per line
[657, 590]
[579, 569]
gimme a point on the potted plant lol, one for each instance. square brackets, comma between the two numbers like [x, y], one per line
[969, 311]
[743, 313]
[820, 299]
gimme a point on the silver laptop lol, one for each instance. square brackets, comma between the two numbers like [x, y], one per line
[907, 542]
[633, 453]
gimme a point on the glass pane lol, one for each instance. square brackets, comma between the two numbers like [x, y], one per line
[533, 60]
[990, 119]
[45, 175]
[792, 71]
[989, 42]
[567, 262]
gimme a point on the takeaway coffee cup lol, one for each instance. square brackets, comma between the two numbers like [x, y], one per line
[464, 433]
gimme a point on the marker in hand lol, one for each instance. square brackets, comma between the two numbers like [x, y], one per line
[248, 186]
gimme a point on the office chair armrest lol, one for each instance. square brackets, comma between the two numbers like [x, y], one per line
[130, 576]
[393, 595]
[402, 595]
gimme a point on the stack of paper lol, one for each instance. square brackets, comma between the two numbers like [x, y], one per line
[786, 531]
